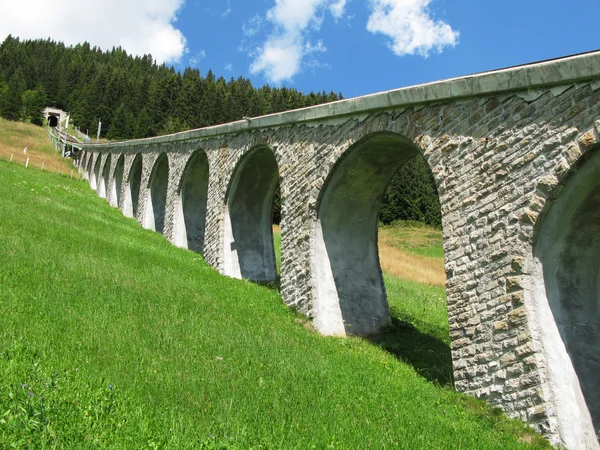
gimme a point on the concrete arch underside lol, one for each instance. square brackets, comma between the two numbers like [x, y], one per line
[192, 197]
[117, 183]
[105, 179]
[247, 232]
[350, 296]
[132, 190]
[95, 171]
[566, 291]
[156, 197]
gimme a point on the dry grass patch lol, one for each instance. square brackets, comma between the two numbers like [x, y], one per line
[411, 267]
[15, 136]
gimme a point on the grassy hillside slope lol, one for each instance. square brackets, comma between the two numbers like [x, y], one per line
[112, 338]
[15, 136]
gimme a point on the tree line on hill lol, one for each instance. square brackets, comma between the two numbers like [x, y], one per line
[134, 98]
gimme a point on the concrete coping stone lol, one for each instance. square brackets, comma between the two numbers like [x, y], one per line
[560, 71]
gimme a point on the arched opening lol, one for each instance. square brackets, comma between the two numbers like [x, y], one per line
[83, 165]
[248, 234]
[105, 178]
[191, 208]
[157, 195]
[88, 168]
[115, 196]
[350, 295]
[52, 121]
[95, 178]
[567, 302]
[132, 193]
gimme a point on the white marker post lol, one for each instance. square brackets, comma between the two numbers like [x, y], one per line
[99, 128]
[11, 157]
[27, 163]
[42, 165]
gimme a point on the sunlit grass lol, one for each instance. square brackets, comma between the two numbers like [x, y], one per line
[110, 337]
[413, 237]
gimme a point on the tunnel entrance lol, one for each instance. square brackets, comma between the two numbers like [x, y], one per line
[157, 195]
[105, 178]
[115, 197]
[567, 297]
[350, 295]
[248, 233]
[191, 208]
[52, 121]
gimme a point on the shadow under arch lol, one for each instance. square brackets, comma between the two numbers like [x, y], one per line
[190, 219]
[115, 195]
[95, 177]
[248, 233]
[350, 295]
[89, 167]
[566, 300]
[83, 165]
[156, 200]
[104, 180]
[132, 191]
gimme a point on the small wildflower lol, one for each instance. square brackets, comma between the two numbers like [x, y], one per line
[24, 386]
[219, 358]
[110, 386]
[30, 394]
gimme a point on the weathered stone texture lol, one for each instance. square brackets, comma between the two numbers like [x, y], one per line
[496, 159]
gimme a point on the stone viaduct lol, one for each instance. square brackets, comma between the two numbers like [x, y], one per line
[514, 153]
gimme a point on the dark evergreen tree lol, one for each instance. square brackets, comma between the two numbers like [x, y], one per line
[412, 195]
[33, 102]
[13, 99]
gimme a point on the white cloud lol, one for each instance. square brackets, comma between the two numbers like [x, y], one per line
[229, 67]
[139, 26]
[282, 54]
[410, 26]
[197, 57]
[337, 9]
[252, 27]
[227, 9]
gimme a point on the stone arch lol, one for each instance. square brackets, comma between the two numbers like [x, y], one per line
[83, 164]
[132, 191]
[348, 289]
[95, 177]
[156, 198]
[89, 168]
[248, 235]
[104, 180]
[191, 203]
[566, 298]
[117, 183]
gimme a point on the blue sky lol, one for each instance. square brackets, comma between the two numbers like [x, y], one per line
[353, 46]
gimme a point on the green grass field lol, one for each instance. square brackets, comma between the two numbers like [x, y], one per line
[110, 337]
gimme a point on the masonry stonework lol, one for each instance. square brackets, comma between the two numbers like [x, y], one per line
[500, 146]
